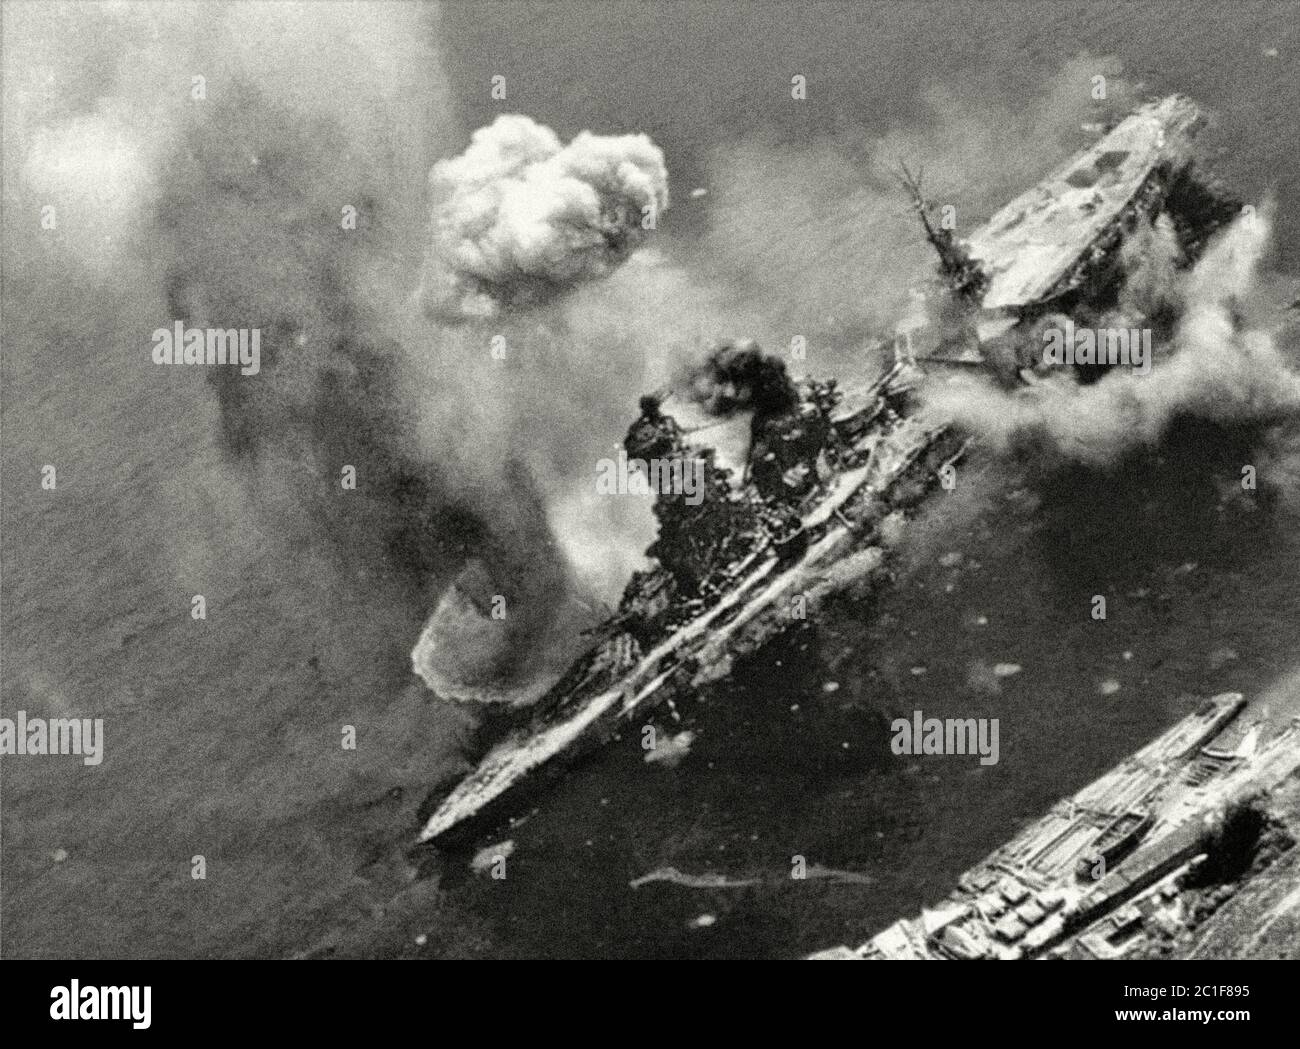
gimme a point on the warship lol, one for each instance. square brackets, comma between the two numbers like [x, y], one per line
[831, 471]
[1100, 873]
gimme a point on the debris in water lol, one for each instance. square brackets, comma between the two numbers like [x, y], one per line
[893, 528]
[60, 855]
[837, 877]
[700, 191]
[670, 751]
[1006, 669]
[952, 559]
[486, 858]
[703, 921]
[720, 881]
[831, 686]
[1109, 687]
[692, 881]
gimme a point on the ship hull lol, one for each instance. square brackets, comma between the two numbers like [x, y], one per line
[843, 548]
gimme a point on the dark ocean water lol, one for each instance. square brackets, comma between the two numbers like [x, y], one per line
[222, 743]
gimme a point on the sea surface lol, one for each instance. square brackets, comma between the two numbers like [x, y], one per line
[222, 736]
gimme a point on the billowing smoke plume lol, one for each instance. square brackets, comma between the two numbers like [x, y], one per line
[1220, 367]
[738, 376]
[264, 166]
[518, 221]
[519, 217]
[1152, 260]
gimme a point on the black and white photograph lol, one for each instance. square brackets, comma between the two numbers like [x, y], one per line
[667, 481]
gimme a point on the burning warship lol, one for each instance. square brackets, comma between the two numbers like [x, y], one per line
[830, 470]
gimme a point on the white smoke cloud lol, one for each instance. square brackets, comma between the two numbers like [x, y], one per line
[1151, 257]
[519, 217]
[1221, 368]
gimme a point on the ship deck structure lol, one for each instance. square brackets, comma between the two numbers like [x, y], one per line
[1096, 871]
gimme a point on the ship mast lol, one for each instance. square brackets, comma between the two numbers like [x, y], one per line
[962, 273]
